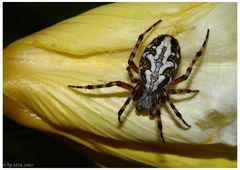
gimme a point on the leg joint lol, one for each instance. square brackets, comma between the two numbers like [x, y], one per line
[130, 62]
[140, 38]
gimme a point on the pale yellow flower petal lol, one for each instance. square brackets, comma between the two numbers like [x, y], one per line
[94, 47]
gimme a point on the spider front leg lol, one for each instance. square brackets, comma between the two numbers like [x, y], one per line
[131, 63]
[159, 121]
[181, 91]
[189, 69]
[178, 114]
[110, 84]
[120, 112]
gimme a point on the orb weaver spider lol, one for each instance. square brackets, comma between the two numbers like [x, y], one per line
[158, 67]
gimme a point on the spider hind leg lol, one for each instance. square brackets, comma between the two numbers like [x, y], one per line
[189, 69]
[131, 63]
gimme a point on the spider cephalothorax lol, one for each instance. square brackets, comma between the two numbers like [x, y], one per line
[158, 67]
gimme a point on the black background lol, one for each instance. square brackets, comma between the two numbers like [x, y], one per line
[21, 19]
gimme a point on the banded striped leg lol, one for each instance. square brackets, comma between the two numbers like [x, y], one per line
[189, 69]
[159, 121]
[110, 84]
[178, 114]
[131, 63]
[181, 91]
[133, 80]
[120, 112]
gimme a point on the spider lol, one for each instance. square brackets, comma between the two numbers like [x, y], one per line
[157, 70]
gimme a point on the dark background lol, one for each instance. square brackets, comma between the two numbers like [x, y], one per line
[21, 19]
[20, 144]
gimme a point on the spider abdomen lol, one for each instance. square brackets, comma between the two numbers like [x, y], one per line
[159, 62]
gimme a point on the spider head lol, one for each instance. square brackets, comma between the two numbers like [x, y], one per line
[145, 98]
[145, 101]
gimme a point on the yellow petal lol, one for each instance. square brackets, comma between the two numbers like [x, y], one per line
[93, 48]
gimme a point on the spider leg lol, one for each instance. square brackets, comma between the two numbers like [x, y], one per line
[189, 69]
[133, 80]
[131, 63]
[110, 84]
[120, 112]
[177, 91]
[159, 121]
[178, 114]
[152, 111]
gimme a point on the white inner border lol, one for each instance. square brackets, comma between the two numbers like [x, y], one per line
[1, 61]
